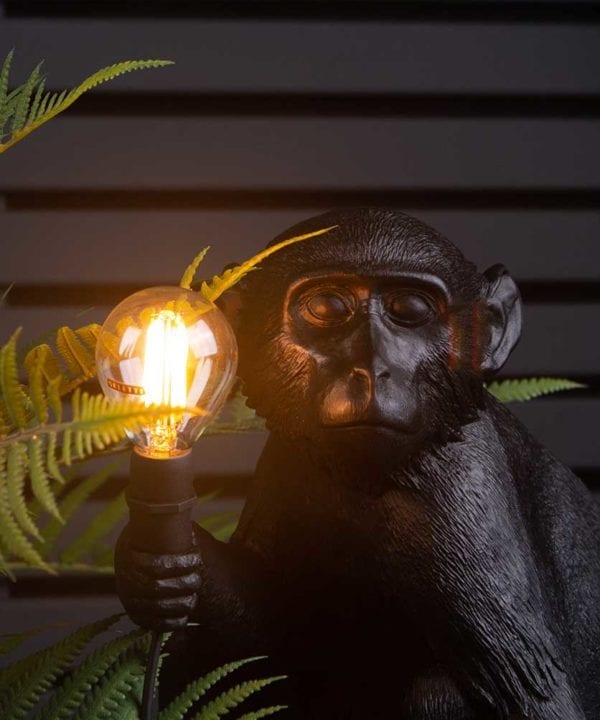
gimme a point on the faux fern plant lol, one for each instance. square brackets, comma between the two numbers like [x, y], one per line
[58, 683]
[28, 106]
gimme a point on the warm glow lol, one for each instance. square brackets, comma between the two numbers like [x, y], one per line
[165, 374]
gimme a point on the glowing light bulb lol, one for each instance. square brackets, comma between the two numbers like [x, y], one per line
[169, 347]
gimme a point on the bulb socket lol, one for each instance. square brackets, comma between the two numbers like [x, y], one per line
[161, 498]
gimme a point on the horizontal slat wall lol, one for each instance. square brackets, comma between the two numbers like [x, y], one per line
[333, 57]
[480, 118]
[284, 153]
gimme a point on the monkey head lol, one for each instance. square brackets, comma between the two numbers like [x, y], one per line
[376, 332]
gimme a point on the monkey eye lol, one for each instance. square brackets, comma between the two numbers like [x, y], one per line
[327, 307]
[410, 308]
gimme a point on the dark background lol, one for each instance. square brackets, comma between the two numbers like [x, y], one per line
[481, 118]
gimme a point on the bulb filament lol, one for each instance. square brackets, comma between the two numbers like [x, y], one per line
[165, 376]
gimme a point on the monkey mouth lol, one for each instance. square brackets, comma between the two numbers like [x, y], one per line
[387, 426]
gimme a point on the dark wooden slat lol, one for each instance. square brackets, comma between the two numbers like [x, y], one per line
[81, 294]
[504, 11]
[318, 57]
[225, 153]
[148, 247]
[285, 104]
[44, 199]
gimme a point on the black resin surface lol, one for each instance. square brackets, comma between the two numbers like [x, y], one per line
[407, 550]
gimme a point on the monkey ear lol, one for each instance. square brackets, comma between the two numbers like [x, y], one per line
[503, 302]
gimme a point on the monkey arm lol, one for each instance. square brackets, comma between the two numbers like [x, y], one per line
[494, 622]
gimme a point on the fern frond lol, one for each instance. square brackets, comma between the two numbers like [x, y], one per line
[74, 690]
[221, 283]
[230, 699]
[190, 272]
[23, 683]
[195, 690]
[520, 390]
[78, 358]
[23, 100]
[100, 526]
[12, 538]
[16, 470]
[119, 689]
[39, 477]
[6, 108]
[263, 713]
[37, 391]
[51, 104]
[12, 392]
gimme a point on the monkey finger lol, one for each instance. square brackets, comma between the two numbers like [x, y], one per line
[172, 587]
[167, 607]
[163, 566]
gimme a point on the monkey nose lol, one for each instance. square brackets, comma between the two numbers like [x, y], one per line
[369, 376]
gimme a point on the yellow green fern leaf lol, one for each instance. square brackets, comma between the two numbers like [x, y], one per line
[77, 357]
[39, 477]
[16, 472]
[37, 391]
[221, 283]
[12, 538]
[12, 392]
[42, 356]
[522, 389]
[27, 115]
[198, 688]
[192, 268]
[230, 699]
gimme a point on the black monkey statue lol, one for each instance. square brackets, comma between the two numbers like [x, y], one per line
[407, 549]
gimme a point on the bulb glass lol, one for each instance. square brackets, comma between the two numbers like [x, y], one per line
[168, 346]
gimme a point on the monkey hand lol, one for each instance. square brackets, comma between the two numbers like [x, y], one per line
[158, 591]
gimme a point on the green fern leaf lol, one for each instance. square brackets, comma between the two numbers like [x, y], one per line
[192, 268]
[37, 392]
[74, 499]
[74, 690]
[39, 478]
[230, 699]
[16, 469]
[12, 392]
[51, 461]
[23, 683]
[224, 282]
[42, 356]
[195, 690]
[78, 359]
[520, 390]
[119, 690]
[102, 524]
[53, 390]
[12, 538]
[39, 94]
[22, 105]
[263, 713]
[53, 104]
[4, 104]
[4, 73]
